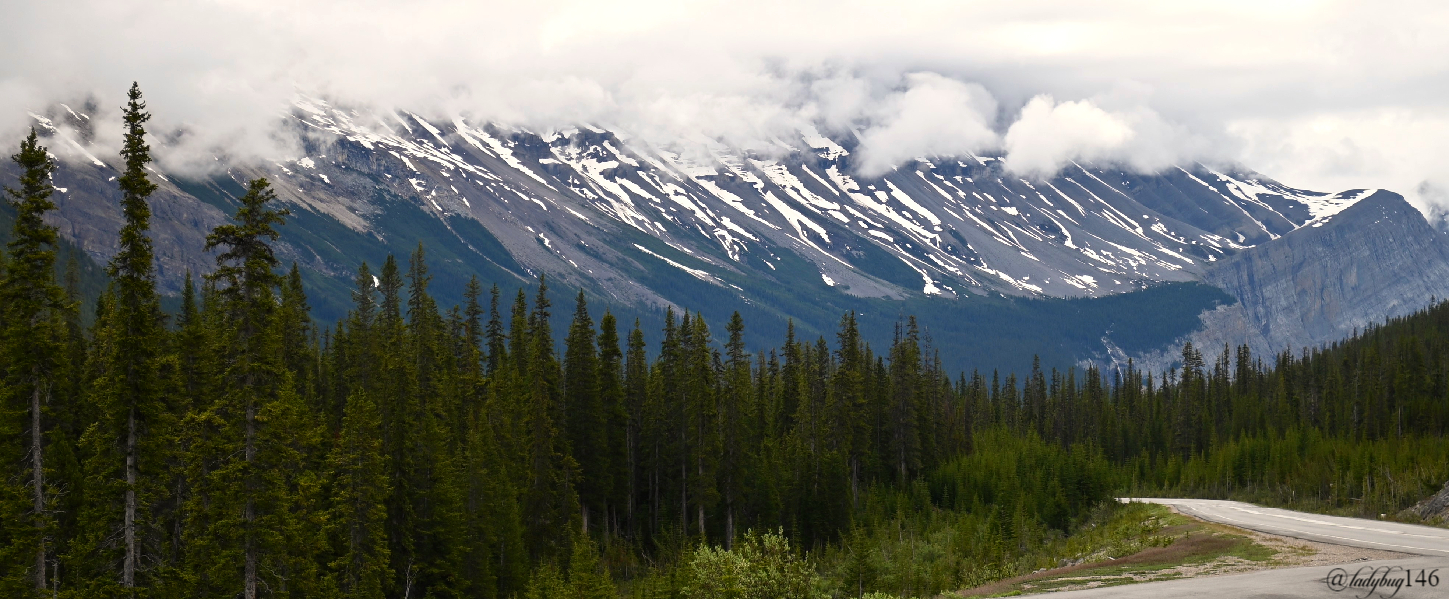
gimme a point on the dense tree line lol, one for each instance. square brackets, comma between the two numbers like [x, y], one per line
[238, 448]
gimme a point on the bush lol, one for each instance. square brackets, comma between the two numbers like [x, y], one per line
[761, 567]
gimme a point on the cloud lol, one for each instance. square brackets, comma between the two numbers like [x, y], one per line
[932, 116]
[1230, 79]
[1402, 149]
[1048, 135]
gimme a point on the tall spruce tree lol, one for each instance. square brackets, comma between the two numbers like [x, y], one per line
[615, 420]
[636, 389]
[550, 495]
[34, 308]
[735, 411]
[359, 482]
[585, 416]
[252, 531]
[124, 449]
[699, 387]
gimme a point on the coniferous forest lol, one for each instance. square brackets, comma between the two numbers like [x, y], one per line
[238, 448]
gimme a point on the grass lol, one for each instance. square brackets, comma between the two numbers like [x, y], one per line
[1138, 543]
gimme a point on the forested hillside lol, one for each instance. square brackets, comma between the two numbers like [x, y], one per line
[241, 448]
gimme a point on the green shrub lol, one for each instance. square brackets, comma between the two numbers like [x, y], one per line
[761, 567]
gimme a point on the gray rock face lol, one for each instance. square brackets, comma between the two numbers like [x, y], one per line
[1377, 259]
[88, 212]
[1434, 508]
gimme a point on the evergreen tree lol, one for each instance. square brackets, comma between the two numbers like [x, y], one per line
[550, 494]
[34, 332]
[359, 490]
[252, 528]
[125, 448]
[735, 409]
[587, 577]
[615, 435]
[904, 385]
[698, 387]
[636, 389]
[586, 418]
[494, 332]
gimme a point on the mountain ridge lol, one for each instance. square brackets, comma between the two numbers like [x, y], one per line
[792, 233]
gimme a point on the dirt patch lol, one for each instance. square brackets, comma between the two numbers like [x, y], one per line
[1200, 549]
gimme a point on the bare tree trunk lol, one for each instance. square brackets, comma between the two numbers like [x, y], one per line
[128, 566]
[249, 565]
[699, 467]
[855, 482]
[408, 581]
[633, 467]
[683, 482]
[729, 527]
[729, 540]
[683, 500]
[38, 466]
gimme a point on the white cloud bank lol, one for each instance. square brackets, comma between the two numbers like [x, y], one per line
[932, 116]
[1318, 93]
[1048, 135]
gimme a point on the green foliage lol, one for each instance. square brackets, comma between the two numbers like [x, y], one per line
[588, 579]
[33, 336]
[546, 583]
[1309, 470]
[121, 534]
[763, 566]
[1006, 472]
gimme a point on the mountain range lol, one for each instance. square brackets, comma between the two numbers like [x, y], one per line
[1094, 264]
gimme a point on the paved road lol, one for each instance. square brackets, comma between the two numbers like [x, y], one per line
[1307, 582]
[1354, 532]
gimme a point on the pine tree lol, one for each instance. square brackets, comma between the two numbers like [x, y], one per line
[735, 416]
[550, 495]
[471, 353]
[850, 402]
[252, 527]
[588, 579]
[297, 341]
[584, 412]
[494, 561]
[636, 389]
[430, 451]
[905, 385]
[33, 334]
[615, 420]
[698, 386]
[125, 448]
[494, 332]
[359, 490]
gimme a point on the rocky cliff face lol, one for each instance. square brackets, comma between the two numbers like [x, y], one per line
[1377, 259]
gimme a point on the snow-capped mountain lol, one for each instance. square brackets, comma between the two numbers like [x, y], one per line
[961, 225]
[788, 229]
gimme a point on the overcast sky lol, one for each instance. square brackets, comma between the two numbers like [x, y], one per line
[1321, 95]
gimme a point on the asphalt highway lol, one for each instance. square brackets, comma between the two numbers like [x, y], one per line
[1424, 576]
[1354, 532]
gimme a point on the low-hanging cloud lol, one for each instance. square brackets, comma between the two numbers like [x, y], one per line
[1318, 94]
[1049, 135]
[932, 116]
